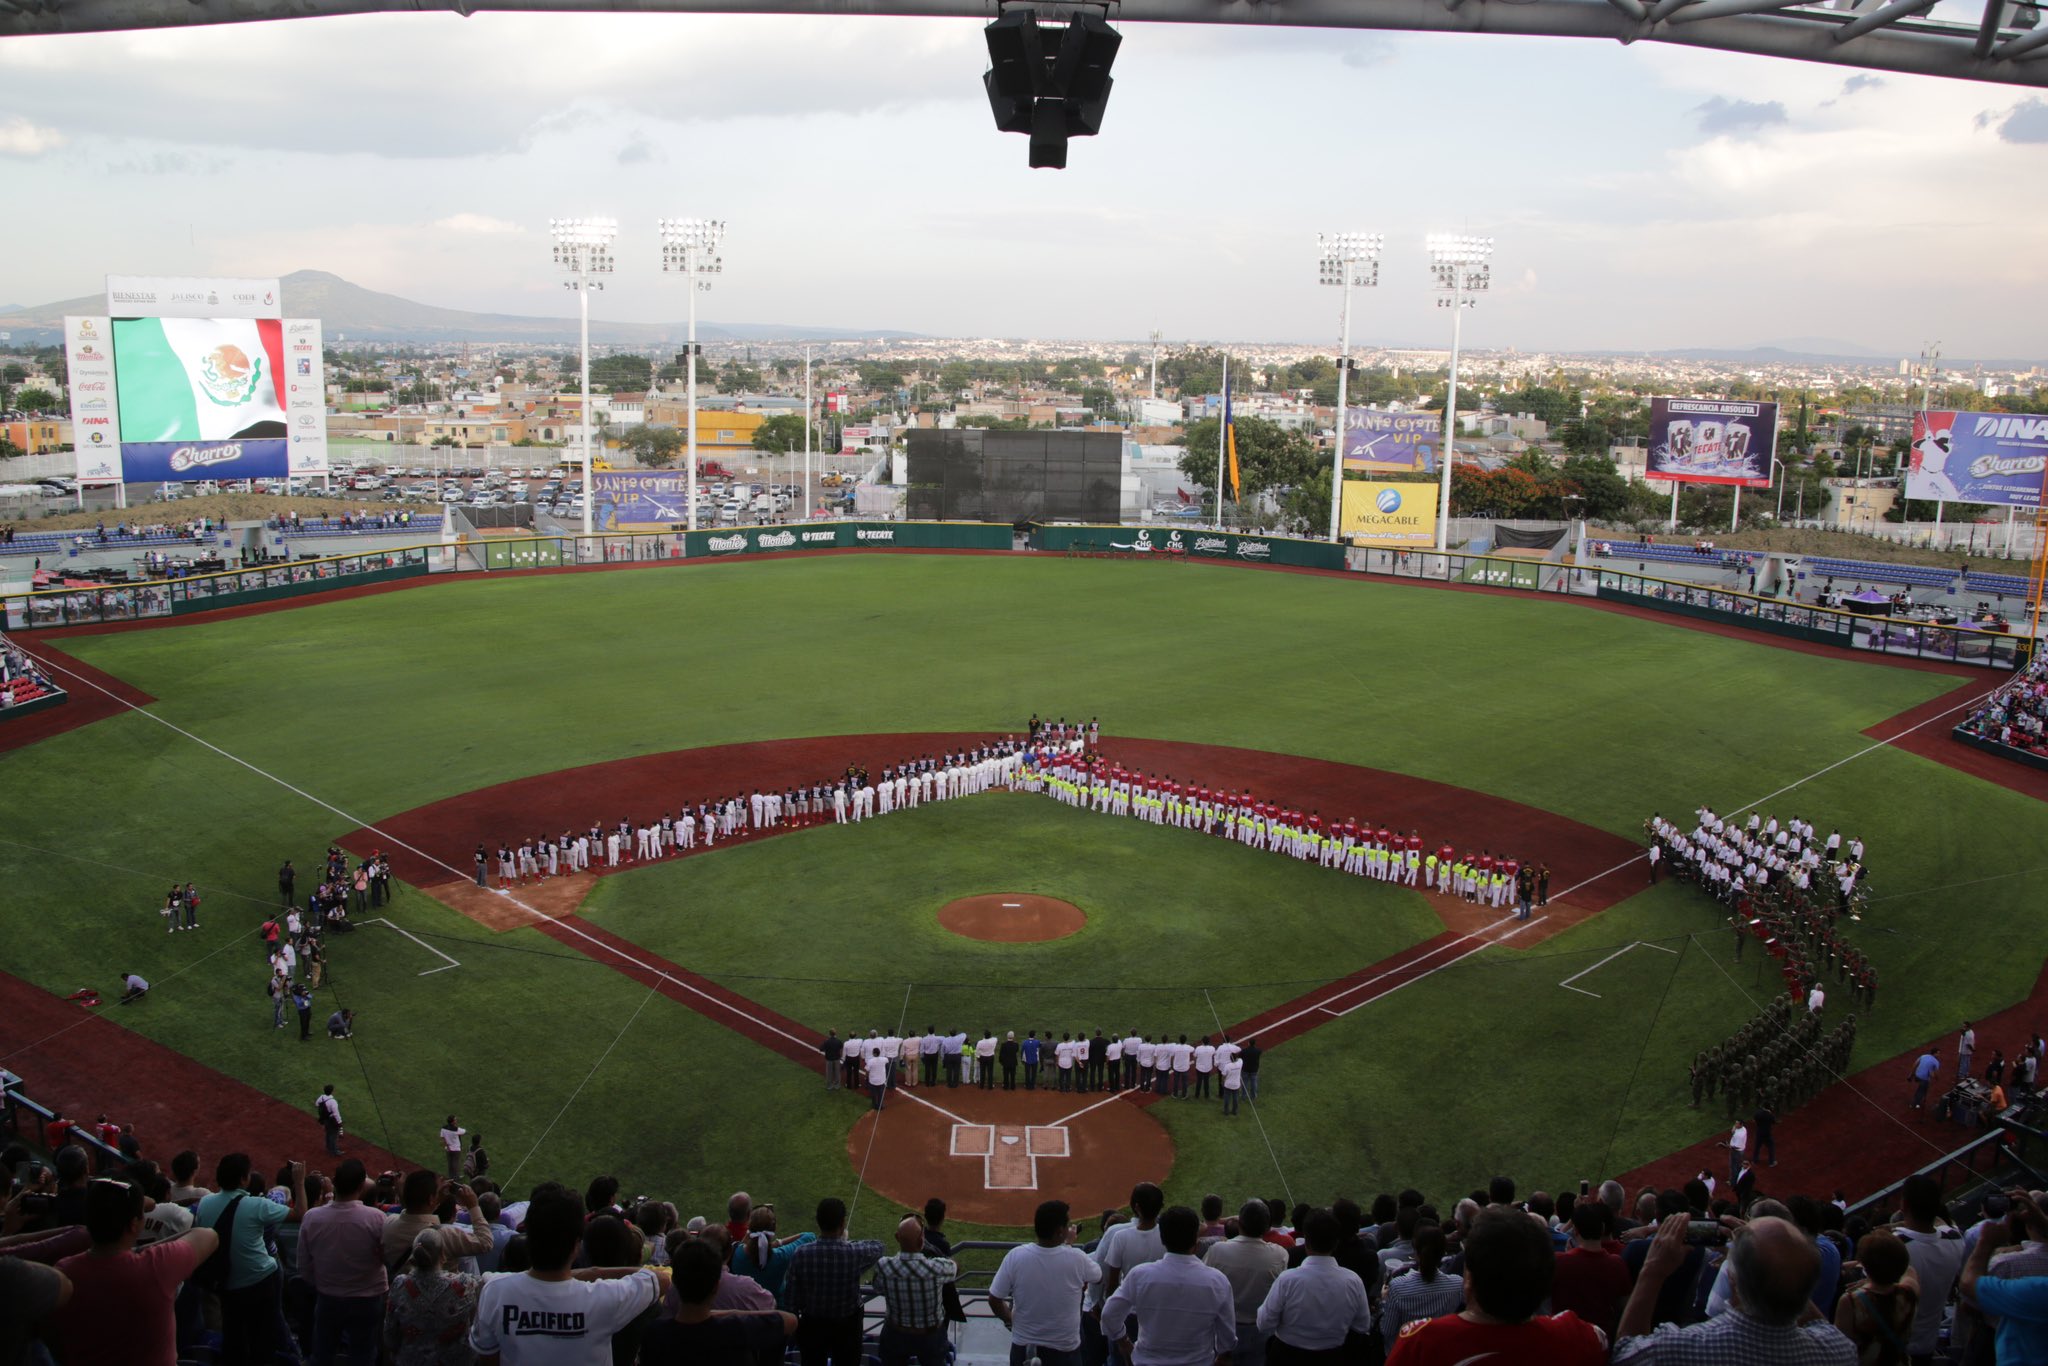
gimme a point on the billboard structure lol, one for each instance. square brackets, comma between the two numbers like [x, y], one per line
[1389, 514]
[628, 501]
[1712, 441]
[968, 474]
[1392, 443]
[189, 379]
[1978, 458]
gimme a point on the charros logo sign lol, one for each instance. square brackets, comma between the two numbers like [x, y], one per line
[198, 457]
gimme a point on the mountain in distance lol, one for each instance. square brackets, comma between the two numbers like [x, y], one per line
[366, 315]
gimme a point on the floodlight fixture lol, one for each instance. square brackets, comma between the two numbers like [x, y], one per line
[1346, 260]
[583, 248]
[689, 247]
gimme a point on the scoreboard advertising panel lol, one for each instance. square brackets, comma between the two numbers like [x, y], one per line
[1712, 441]
[210, 382]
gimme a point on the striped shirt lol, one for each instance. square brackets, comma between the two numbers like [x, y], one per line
[1409, 1298]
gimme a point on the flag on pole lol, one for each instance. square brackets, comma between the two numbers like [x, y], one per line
[1230, 438]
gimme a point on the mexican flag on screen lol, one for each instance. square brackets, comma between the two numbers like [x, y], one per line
[199, 379]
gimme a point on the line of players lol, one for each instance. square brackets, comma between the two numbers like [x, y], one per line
[1073, 1062]
[1731, 860]
[852, 796]
[1094, 783]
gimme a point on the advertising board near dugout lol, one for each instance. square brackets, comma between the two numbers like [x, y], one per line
[1389, 514]
[1978, 458]
[1712, 441]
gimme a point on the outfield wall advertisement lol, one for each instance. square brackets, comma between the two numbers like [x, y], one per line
[1192, 542]
[1978, 458]
[1392, 443]
[1387, 514]
[95, 407]
[1712, 441]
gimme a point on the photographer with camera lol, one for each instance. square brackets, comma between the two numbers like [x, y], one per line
[430, 1202]
[1772, 1267]
[2018, 1303]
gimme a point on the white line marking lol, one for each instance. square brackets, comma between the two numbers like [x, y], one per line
[1324, 1004]
[1601, 964]
[1108, 1100]
[1581, 990]
[446, 961]
[908, 1094]
[1013, 905]
[1525, 925]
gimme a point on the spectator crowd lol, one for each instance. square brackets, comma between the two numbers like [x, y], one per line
[2016, 714]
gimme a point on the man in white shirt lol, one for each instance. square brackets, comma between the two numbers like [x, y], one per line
[1251, 1265]
[451, 1147]
[1134, 1048]
[1936, 1251]
[878, 1077]
[1037, 1290]
[1063, 1054]
[542, 1317]
[1128, 1246]
[985, 1060]
[1738, 1147]
[1233, 1083]
[1312, 1307]
[1205, 1065]
[1185, 1313]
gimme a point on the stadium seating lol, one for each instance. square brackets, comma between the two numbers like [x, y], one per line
[1915, 575]
[2001, 585]
[331, 526]
[1673, 554]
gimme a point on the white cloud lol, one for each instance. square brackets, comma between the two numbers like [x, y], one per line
[476, 225]
[20, 138]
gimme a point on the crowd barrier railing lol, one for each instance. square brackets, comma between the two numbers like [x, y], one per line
[86, 604]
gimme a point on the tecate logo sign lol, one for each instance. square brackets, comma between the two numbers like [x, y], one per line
[198, 457]
[810, 536]
[863, 533]
[721, 544]
[778, 540]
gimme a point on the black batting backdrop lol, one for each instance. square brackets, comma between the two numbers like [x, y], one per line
[973, 475]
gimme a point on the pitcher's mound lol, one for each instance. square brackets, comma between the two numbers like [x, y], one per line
[1011, 918]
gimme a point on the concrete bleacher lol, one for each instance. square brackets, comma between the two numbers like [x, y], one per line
[331, 526]
[1673, 554]
[1915, 575]
[59, 542]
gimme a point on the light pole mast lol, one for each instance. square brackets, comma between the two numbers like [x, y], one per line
[583, 248]
[1461, 265]
[1347, 259]
[1154, 393]
[690, 246]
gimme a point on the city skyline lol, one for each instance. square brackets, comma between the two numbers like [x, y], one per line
[1692, 200]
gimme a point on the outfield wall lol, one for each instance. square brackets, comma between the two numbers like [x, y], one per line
[80, 604]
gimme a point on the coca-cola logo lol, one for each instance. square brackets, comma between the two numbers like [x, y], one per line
[199, 457]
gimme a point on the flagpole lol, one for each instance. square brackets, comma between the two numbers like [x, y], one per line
[1222, 435]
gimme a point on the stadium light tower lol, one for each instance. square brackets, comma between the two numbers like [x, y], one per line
[1462, 265]
[690, 246]
[583, 248]
[1348, 258]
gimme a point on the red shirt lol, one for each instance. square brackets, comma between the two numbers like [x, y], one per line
[1486, 863]
[1593, 1283]
[1509, 867]
[120, 1309]
[1315, 822]
[1415, 843]
[1446, 854]
[1383, 834]
[1560, 1340]
[58, 1131]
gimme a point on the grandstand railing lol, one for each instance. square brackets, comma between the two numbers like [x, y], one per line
[84, 604]
[1918, 639]
[1981, 1165]
[29, 1121]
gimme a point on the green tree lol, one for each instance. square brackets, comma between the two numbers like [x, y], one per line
[1269, 456]
[14, 372]
[35, 399]
[1101, 401]
[1553, 407]
[783, 432]
[996, 424]
[881, 375]
[655, 447]
[1596, 480]
[955, 376]
[1198, 370]
[8, 450]
[616, 374]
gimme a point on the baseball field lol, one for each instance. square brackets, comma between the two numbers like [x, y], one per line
[657, 1034]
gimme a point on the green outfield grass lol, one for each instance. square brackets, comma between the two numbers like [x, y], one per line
[377, 705]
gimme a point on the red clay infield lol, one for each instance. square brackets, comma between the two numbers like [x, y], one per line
[1011, 918]
[996, 1154]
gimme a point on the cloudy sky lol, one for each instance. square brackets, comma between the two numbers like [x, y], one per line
[1643, 197]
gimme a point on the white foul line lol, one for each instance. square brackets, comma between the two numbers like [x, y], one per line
[1108, 1100]
[1324, 1004]
[446, 961]
[1528, 925]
